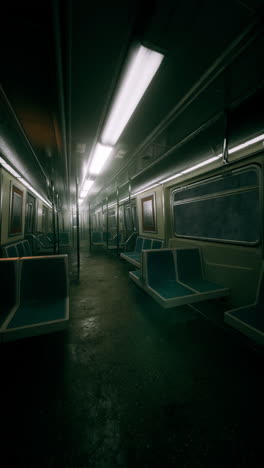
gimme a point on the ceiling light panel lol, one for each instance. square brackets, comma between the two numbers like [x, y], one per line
[100, 156]
[139, 73]
[88, 184]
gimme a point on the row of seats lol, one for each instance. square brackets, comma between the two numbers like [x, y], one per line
[18, 249]
[175, 276]
[99, 238]
[34, 296]
[142, 243]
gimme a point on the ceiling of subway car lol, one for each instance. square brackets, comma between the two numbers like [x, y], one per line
[61, 62]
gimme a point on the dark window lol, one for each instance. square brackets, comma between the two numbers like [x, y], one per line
[112, 219]
[223, 208]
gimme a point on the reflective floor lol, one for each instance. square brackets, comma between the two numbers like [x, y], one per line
[130, 384]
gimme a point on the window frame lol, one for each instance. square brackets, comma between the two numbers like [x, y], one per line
[257, 168]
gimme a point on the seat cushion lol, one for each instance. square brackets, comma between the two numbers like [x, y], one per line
[35, 312]
[171, 289]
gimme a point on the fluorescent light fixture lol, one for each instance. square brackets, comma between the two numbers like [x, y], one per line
[204, 163]
[101, 154]
[88, 184]
[146, 189]
[14, 173]
[83, 193]
[138, 75]
[171, 178]
[9, 168]
[80, 201]
[124, 199]
[247, 143]
[24, 182]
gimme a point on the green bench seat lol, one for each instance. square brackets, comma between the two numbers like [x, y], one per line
[142, 243]
[42, 298]
[174, 277]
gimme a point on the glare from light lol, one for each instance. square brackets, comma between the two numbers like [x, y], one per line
[140, 72]
[247, 143]
[124, 200]
[24, 182]
[201, 164]
[146, 189]
[83, 193]
[100, 156]
[171, 178]
[88, 184]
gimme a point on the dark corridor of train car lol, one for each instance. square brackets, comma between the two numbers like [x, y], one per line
[131, 234]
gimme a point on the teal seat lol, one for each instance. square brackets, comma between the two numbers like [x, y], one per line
[11, 251]
[44, 299]
[31, 313]
[97, 238]
[139, 244]
[190, 273]
[157, 244]
[20, 249]
[161, 275]
[27, 249]
[147, 244]
[142, 243]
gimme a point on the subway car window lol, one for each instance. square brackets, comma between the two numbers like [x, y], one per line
[128, 218]
[30, 213]
[223, 209]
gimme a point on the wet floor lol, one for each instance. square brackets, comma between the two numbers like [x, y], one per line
[130, 384]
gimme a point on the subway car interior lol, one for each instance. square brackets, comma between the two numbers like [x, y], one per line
[131, 233]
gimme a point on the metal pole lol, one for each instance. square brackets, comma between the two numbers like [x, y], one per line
[226, 138]
[130, 204]
[117, 220]
[77, 229]
[58, 227]
[107, 223]
[53, 221]
[90, 227]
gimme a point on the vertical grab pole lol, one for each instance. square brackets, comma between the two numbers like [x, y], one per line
[77, 229]
[226, 137]
[58, 227]
[117, 220]
[130, 205]
[53, 221]
[107, 223]
[90, 227]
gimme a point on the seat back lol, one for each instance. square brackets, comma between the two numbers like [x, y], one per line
[139, 244]
[97, 237]
[147, 244]
[157, 244]
[189, 264]
[11, 251]
[44, 241]
[20, 249]
[159, 266]
[28, 252]
[43, 278]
